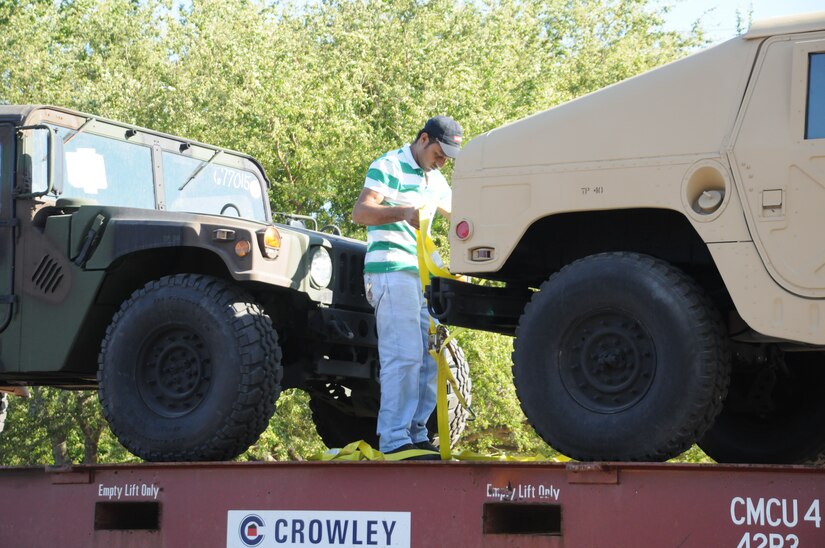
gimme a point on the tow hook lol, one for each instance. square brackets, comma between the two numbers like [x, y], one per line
[340, 328]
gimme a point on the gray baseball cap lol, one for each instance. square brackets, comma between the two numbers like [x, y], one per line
[447, 132]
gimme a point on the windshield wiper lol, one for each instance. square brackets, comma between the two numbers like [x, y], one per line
[78, 131]
[199, 169]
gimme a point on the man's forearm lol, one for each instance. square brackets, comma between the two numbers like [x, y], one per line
[372, 215]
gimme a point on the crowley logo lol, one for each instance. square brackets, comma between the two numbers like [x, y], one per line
[251, 530]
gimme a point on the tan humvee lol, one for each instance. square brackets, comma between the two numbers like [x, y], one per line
[674, 226]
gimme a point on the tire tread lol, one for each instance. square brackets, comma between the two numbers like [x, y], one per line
[715, 362]
[260, 361]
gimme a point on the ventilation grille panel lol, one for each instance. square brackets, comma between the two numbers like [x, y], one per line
[48, 275]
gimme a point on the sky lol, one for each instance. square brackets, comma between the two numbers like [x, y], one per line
[719, 16]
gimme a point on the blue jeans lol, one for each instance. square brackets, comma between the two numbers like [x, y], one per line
[408, 372]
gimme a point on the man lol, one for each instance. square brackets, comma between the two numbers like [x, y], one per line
[397, 185]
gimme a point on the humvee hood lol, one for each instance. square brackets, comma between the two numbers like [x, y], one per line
[685, 107]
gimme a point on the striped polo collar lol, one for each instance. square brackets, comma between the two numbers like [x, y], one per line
[406, 152]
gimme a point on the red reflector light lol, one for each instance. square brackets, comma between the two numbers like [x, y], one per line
[463, 230]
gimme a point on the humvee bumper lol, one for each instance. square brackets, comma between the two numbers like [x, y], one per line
[481, 307]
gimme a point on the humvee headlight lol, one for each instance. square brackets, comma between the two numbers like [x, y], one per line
[270, 242]
[320, 269]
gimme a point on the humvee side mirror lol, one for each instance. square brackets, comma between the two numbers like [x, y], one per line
[54, 162]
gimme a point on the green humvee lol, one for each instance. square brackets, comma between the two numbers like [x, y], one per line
[148, 266]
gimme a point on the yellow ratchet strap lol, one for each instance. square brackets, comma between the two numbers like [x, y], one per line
[361, 450]
[429, 261]
[429, 264]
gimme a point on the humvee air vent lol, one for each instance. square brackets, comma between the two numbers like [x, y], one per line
[48, 275]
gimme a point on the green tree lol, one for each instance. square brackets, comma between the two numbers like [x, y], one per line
[58, 427]
[24, 439]
[315, 92]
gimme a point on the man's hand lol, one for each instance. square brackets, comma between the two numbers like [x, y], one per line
[411, 216]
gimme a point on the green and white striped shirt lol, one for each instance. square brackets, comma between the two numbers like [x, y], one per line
[397, 177]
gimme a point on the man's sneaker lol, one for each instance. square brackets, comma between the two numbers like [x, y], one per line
[426, 445]
[412, 447]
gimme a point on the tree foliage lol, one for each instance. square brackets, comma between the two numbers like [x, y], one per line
[58, 427]
[314, 91]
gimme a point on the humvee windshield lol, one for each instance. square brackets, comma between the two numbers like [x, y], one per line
[117, 172]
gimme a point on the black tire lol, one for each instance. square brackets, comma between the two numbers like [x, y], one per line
[338, 422]
[620, 356]
[4, 407]
[190, 370]
[772, 415]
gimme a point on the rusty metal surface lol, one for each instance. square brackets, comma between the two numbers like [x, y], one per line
[454, 503]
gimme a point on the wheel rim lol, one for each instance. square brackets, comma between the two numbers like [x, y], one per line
[174, 372]
[607, 361]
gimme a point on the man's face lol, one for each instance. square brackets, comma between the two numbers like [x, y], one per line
[432, 157]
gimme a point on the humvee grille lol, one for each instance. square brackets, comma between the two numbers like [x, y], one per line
[349, 279]
[48, 275]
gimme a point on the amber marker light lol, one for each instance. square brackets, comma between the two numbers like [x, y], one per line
[242, 248]
[463, 230]
[271, 243]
